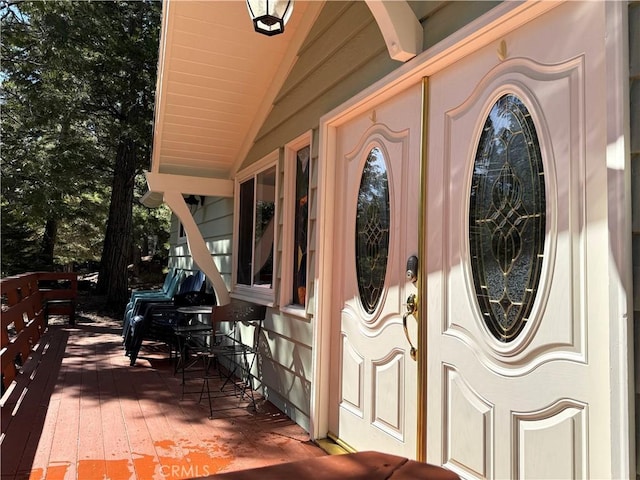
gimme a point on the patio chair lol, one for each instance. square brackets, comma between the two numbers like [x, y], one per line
[173, 271]
[179, 283]
[157, 320]
[170, 287]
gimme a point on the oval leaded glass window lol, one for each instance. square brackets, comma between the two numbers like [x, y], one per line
[372, 230]
[507, 218]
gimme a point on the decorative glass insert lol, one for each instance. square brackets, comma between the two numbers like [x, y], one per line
[300, 228]
[507, 218]
[372, 230]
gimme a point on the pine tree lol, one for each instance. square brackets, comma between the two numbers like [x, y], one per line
[78, 82]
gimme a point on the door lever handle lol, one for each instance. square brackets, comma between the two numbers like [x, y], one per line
[412, 307]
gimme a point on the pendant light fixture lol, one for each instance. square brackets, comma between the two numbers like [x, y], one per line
[270, 16]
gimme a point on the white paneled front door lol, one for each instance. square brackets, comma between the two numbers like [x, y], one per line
[373, 377]
[520, 276]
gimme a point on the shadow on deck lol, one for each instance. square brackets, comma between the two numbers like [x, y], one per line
[80, 411]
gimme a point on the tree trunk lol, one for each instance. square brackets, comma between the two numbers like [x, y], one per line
[112, 279]
[48, 243]
[146, 248]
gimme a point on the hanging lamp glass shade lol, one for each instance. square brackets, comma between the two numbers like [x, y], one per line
[270, 16]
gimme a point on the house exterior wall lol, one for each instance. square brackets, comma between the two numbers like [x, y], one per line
[343, 54]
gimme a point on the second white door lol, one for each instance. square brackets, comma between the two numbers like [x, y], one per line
[373, 377]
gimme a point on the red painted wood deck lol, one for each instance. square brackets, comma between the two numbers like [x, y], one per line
[86, 414]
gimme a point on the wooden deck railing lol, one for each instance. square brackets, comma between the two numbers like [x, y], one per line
[27, 302]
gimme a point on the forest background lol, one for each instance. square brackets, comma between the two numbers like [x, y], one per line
[77, 87]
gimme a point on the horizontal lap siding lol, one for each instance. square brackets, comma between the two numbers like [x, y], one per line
[440, 21]
[286, 337]
[215, 220]
[285, 364]
[289, 392]
[217, 232]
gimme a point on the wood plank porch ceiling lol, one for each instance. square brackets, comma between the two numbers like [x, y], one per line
[217, 80]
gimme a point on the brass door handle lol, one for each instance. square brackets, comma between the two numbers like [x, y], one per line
[412, 307]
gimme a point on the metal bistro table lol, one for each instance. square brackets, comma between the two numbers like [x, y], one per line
[199, 340]
[195, 337]
[196, 310]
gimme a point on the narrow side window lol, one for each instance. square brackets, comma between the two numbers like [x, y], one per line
[301, 224]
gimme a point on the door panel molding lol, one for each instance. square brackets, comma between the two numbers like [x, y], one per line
[387, 410]
[561, 430]
[532, 348]
[352, 378]
[466, 409]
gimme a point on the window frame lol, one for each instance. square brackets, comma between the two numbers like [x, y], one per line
[255, 293]
[291, 150]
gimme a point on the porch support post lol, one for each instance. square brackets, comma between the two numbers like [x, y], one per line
[400, 28]
[197, 246]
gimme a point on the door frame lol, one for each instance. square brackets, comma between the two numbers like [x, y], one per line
[489, 28]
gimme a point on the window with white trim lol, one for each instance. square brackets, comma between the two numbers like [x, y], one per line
[301, 222]
[256, 214]
[295, 246]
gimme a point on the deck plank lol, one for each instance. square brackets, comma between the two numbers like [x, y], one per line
[140, 442]
[91, 454]
[64, 448]
[41, 468]
[90, 415]
[119, 463]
